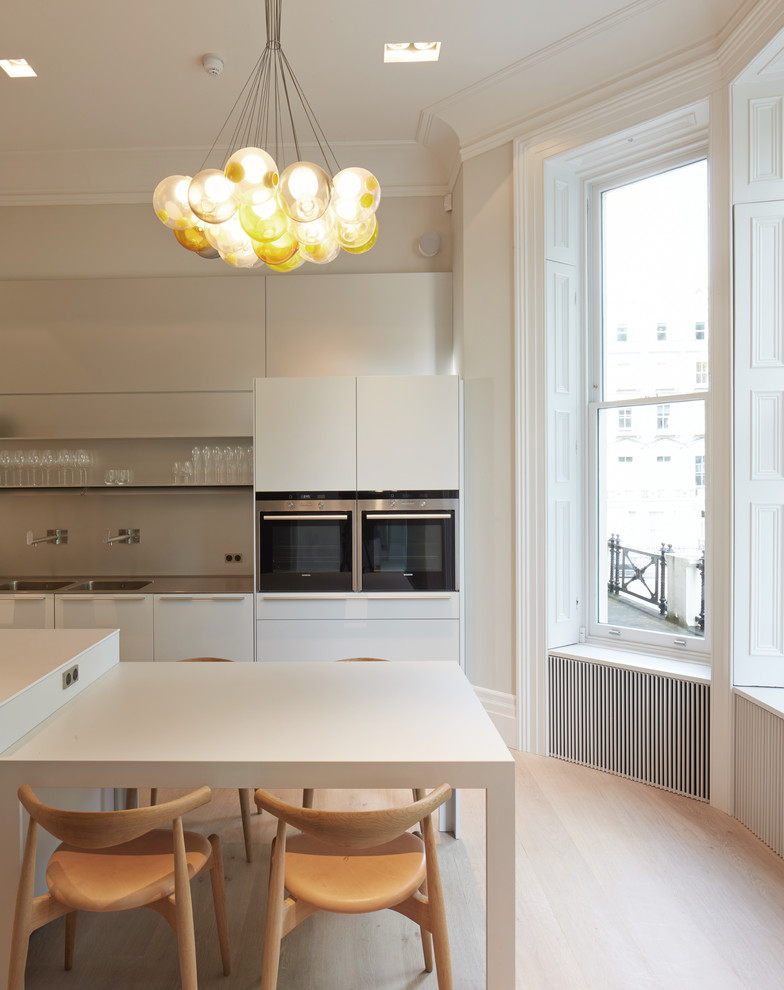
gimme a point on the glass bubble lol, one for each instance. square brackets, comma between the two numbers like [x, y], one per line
[277, 252]
[288, 266]
[367, 245]
[243, 257]
[211, 196]
[355, 235]
[321, 253]
[356, 194]
[316, 231]
[304, 191]
[170, 202]
[253, 174]
[227, 236]
[263, 221]
[193, 238]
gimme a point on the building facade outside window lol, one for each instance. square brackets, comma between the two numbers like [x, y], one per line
[647, 530]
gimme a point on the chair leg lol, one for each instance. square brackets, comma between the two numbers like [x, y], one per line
[307, 797]
[219, 902]
[70, 935]
[273, 926]
[186, 940]
[427, 938]
[153, 795]
[245, 813]
[131, 797]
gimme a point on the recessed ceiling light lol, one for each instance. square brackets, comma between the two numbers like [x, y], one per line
[412, 51]
[15, 67]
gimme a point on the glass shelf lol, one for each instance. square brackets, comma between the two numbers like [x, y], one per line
[28, 463]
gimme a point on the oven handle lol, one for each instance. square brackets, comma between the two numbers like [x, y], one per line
[408, 515]
[298, 516]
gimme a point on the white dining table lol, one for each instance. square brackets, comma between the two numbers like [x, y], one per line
[276, 725]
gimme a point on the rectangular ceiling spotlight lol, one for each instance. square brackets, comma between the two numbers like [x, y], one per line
[16, 67]
[412, 51]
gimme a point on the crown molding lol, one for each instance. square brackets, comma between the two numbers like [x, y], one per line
[654, 89]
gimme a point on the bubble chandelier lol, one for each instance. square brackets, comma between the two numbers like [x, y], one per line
[249, 212]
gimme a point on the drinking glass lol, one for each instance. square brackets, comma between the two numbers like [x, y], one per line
[5, 463]
[65, 467]
[209, 467]
[217, 464]
[198, 466]
[186, 471]
[229, 466]
[110, 477]
[48, 461]
[84, 459]
[33, 463]
[18, 461]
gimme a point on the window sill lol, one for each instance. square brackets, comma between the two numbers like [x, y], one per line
[669, 667]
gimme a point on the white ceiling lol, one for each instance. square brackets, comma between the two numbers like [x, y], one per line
[121, 98]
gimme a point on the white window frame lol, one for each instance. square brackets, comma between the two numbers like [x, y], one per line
[680, 646]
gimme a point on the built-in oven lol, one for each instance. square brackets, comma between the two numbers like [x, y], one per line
[305, 541]
[407, 541]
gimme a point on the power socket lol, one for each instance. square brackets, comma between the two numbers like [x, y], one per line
[70, 676]
[233, 558]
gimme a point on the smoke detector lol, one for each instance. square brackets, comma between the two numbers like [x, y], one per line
[213, 64]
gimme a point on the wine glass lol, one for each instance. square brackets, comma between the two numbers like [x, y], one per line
[5, 463]
[84, 459]
[48, 461]
[33, 462]
[65, 466]
[18, 461]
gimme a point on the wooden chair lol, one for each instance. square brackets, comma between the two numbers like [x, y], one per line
[112, 861]
[352, 862]
[244, 793]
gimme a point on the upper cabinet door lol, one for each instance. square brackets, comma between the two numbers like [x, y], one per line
[408, 433]
[306, 434]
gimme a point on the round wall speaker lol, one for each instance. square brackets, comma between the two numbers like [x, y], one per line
[430, 244]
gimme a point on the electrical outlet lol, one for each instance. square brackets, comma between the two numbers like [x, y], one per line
[70, 676]
[233, 558]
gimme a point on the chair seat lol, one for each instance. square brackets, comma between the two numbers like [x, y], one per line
[128, 875]
[350, 880]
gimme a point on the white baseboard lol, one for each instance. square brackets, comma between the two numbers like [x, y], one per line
[502, 709]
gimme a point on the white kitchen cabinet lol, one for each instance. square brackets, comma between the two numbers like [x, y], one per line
[408, 433]
[26, 611]
[203, 626]
[131, 614]
[392, 626]
[305, 434]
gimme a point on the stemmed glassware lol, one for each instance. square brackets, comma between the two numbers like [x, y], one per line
[65, 466]
[18, 461]
[5, 463]
[33, 463]
[48, 461]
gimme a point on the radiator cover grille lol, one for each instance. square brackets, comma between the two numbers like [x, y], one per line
[759, 772]
[648, 727]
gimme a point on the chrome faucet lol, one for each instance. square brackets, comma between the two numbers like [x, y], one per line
[124, 536]
[56, 536]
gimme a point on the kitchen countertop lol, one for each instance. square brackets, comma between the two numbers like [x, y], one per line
[190, 584]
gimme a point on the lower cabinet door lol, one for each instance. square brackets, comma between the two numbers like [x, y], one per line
[335, 639]
[203, 626]
[131, 614]
[26, 611]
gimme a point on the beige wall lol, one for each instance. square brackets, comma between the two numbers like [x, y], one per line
[484, 340]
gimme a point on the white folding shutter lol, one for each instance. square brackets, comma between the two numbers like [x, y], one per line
[565, 398]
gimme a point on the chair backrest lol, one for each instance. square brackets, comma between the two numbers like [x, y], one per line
[358, 829]
[204, 660]
[99, 829]
[354, 659]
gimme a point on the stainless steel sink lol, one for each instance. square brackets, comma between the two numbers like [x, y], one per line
[97, 585]
[25, 585]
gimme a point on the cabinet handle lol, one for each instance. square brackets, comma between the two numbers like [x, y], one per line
[100, 598]
[23, 598]
[298, 517]
[201, 598]
[422, 516]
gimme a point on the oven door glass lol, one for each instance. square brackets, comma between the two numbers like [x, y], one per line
[305, 551]
[404, 551]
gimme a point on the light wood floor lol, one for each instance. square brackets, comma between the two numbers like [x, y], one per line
[619, 887]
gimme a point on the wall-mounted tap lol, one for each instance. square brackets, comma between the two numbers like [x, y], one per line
[123, 536]
[56, 536]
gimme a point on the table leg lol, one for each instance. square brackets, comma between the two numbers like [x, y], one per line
[500, 853]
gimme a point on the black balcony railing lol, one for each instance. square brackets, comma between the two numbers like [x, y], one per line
[638, 573]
